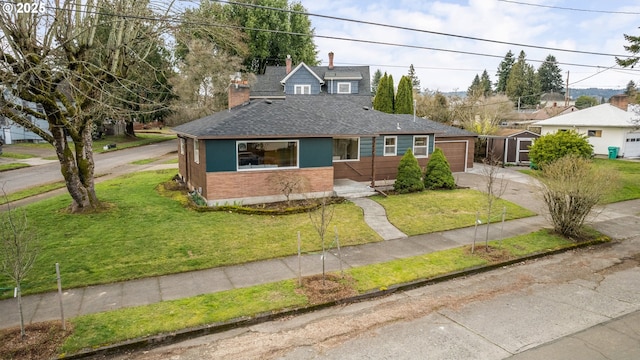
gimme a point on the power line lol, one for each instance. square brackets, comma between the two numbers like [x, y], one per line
[419, 30]
[572, 9]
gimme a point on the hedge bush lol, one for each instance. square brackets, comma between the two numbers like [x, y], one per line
[438, 173]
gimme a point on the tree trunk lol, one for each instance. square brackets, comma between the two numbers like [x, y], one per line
[77, 167]
[129, 130]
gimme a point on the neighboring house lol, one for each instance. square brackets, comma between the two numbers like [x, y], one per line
[525, 119]
[14, 133]
[310, 122]
[508, 146]
[604, 125]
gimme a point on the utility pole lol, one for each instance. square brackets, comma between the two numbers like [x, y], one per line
[566, 93]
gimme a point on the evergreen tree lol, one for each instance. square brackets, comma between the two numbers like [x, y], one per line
[438, 173]
[474, 90]
[523, 86]
[383, 101]
[404, 97]
[485, 84]
[632, 90]
[415, 82]
[375, 81]
[504, 69]
[550, 76]
[390, 94]
[409, 174]
[633, 48]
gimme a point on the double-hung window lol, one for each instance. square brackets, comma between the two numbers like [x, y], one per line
[390, 145]
[421, 146]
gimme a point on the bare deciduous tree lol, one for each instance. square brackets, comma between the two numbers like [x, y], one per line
[495, 186]
[19, 250]
[571, 188]
[320, 219]
[61, 65]
[288, 183]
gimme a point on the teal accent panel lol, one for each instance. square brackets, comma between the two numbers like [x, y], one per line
[366, 144]
[316, 152]
[221, 155]
[404, 142]
[432, 143]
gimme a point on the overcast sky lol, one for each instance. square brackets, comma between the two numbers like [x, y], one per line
[559, 24]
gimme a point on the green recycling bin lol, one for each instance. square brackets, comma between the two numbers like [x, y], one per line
[613, 152]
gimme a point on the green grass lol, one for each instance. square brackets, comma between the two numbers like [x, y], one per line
[123, 142]
[16, 155]
[107, 328]
[143, 161]
[628, 186]
[145, 234]
[37, 190]
[110, 327]
[12, 166]
[432, 211]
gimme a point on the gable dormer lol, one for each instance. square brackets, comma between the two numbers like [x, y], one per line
[301, 80]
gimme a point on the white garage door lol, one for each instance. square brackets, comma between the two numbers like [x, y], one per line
[632, 145]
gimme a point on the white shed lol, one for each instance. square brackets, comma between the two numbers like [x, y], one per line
[605, 126]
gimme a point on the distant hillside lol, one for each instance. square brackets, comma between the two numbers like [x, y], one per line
[575, 93]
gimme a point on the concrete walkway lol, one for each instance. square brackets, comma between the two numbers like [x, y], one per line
[92, 299]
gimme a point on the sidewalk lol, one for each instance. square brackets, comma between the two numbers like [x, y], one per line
[99, 298]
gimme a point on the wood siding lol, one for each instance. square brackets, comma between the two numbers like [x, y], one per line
[386, 168]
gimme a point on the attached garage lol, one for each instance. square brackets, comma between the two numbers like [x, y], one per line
[458, 151]
[632, 145]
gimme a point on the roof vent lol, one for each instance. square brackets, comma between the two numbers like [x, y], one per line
[268, 101]
[365, 108]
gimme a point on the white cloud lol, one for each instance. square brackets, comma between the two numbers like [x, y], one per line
[487, 19]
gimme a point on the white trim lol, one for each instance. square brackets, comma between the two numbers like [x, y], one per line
[343, 83]
[426, 146]
[196, 151]
[183, 143]
[395, 145]
[297, 166]
[283, 81]
[347, 137]
[302, 88]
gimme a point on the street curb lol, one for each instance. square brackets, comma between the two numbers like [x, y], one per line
[191, 333]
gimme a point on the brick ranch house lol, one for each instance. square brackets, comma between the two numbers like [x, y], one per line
[315, 122]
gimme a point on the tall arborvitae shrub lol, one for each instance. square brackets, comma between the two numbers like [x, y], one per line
[404, 97]
[409, 175]
[438, 173]
[383, 101]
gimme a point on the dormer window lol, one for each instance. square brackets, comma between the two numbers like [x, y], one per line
[302, 89]
[344, 88]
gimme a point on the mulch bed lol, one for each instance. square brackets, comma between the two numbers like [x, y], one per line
[42, 341]
[332, 288]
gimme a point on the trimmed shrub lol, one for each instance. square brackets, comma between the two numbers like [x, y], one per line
[438, 173]
[409, 175]
[553, 146]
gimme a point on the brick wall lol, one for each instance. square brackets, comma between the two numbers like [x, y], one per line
[246, 184]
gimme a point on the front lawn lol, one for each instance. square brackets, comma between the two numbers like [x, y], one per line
[629, 181]
[628, 187]
[440, 210]
[145, 234]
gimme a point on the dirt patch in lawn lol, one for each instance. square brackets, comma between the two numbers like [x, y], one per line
[331, 288]
[42, 341]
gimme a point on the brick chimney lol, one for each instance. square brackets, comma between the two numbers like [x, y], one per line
[239, 91]
[288, 63]
[331, 60]
[620, 101]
